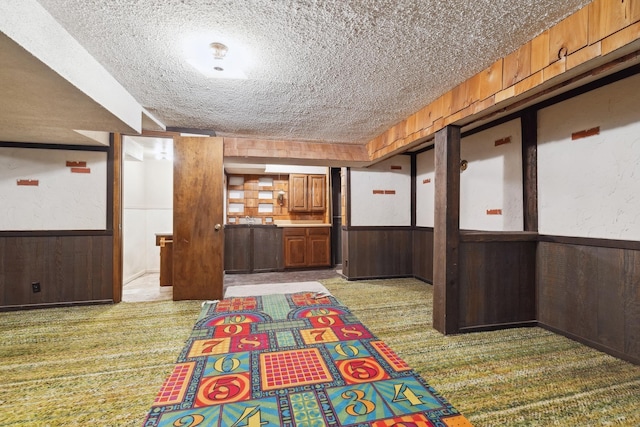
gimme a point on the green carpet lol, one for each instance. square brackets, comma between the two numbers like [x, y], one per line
[97, 365]
[515, 377]
[103, 365]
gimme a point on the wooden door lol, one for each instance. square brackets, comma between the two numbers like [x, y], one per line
[198, 234]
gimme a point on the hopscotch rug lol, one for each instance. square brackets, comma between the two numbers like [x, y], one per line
[293, 360]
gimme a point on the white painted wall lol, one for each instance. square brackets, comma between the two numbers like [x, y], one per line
[590, 187]
[134, 221]
[368, 209]
[493, 180]
[159, 204]
[148, 209]
[62, 200]
[425, 188]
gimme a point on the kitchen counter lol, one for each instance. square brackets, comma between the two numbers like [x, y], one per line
[301, 223]
[281, 224]
[250, 226]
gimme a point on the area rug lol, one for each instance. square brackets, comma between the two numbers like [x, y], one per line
[273, 288]
[293, 360]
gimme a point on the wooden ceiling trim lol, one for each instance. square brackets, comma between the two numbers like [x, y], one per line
[558, 54]
[320, 153]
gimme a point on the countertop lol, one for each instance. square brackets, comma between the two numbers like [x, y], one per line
[284, 224]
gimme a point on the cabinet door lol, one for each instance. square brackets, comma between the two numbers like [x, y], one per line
[317, 193]
[295, 248]
[237, 253]
[267, 249]
[318, 247]
[298, 200]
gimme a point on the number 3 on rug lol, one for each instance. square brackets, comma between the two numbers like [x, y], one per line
[360, 406]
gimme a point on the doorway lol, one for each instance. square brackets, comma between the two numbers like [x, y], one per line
[147, 209]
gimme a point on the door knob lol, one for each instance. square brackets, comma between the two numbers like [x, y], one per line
[217, 227]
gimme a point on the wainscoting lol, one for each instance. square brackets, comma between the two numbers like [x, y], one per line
[70, 267]
[589, 290]
[497, 280]
[377, 252]
[423, 254]
[585, 289]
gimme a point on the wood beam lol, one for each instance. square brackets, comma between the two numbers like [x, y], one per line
[529, 125]
[299, 152]
[446, 230]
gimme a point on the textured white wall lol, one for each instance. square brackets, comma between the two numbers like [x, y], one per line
[134, 221]
[62, 200]
[493, 180]
[425, 191]
[368, 209]
[590, 187]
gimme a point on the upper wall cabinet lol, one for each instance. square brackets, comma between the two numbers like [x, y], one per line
[307, 193]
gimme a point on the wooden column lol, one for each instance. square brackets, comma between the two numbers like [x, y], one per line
[446, 230]
[414, 173]
[114, 218]
[529, 125]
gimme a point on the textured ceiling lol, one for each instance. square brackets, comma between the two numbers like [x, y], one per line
[320, 70]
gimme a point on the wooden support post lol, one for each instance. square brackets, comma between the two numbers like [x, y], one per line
[446, 230]
[529, 125]
[414, 172]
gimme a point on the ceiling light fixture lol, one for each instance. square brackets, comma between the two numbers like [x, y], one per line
[227, 60]
[219, 52]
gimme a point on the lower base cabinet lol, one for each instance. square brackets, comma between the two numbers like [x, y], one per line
[252, 249]
[307, 247]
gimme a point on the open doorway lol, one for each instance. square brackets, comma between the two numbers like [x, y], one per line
[147, 189]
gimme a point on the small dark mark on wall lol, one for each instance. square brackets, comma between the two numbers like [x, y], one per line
[503, 141]
[80, 170]
[585, 133]
[71, 164]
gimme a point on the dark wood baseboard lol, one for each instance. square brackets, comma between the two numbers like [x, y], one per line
[499, 326]
[592, 344]
[53, 305]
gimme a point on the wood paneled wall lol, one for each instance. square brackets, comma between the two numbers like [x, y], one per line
[70, 269]
[377, 252]
[423, 254]
[591, 293]
[497, 280]
[581, 288]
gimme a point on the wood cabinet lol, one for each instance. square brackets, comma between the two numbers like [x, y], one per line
[307, 193]
[253, 249]
[307, 247]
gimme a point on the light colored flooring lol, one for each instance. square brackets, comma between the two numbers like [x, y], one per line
[147, 287]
